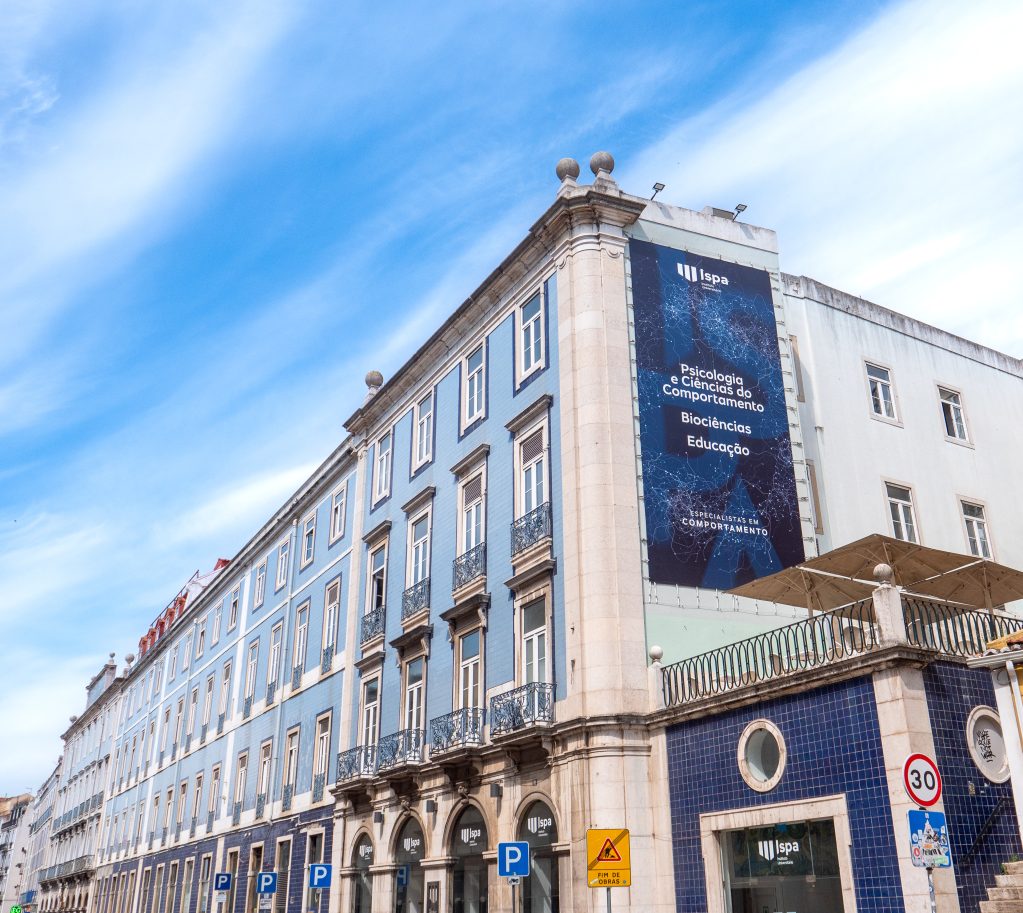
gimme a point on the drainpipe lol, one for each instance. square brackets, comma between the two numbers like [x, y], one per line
[1013, 757]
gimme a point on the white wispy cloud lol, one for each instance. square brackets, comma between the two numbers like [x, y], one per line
[883, 165]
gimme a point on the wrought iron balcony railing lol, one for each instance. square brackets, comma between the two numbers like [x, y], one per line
[356, 762]
[400, 748]
[415, 599]
[247, 707]
[327, 659]
[469, 566]
[286, 797]
[807, 644]
[236, 813]
[271, 692]
[529, 705]
[372, 625]
[220, 723]
[188, 743]
[202, 733]
[209, 822]
[260, 805]
[192, 826]
[296, 678]
[532, 528]
[319, 782]
[946, 629]
[461, 729]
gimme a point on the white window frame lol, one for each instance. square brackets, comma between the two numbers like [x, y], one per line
[217, 615]
[369, 713]
[522, 636]
[200, 639]
[423, 413]
[413, 695]
[197, 794]
[289, 775]
[241, 777]
[370, 590]
[207, 705]
[173, 664]
[529, 335]
[465, 666]
[383, 465]
[521, 467]
[338, 507]
[283, 563]
[321, 751]
[211, 801]
[331, 616]
[224, 700]
[896, 417]
[478, 471]
[273, 660]
[469, 387]
[969, 522]
[300, 647]
[235, 603]
[265, 773]
[943, 390]
[913, 515]
[259, 586]
[252, 668]
[414, 552]
[193, 706]
[308, 541]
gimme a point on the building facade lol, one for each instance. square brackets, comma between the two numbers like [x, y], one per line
[39, 846]
[13, 852]
[443, 640]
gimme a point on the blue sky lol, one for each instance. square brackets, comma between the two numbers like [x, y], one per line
[215, 218]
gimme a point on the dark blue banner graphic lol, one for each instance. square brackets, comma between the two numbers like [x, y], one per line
[718, 481]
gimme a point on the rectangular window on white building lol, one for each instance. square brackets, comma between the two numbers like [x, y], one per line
[882, 392]
[953, 415]
[900, 508]
[976, 529]
[337, 513]
[423, 423]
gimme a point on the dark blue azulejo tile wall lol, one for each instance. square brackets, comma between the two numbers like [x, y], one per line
[952, 692]
[834, 746]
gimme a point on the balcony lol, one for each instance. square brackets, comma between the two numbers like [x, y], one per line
[326, 660]
[287, 796]
[192, 826]
[260, 805]
[356, 763]
[372, 625]
[415, 599]
[400, 749]
[220, 723]
[296, 678]
[469, 566]
[461, 729]
[528, 706]
[188, 744]
[271, 693]
[319, 782]
[236, 814]
[203, 732]
[534, 527]
[209, 822]
[247, 707]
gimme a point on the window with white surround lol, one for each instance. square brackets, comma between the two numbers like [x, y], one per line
[207, 706]
[976, 529]
[337, 513]
[301, 636]
[308, 539]
[423, 423]
[172, 669]
[382, 467]
[200, 642]
[259, 590]
[532, 471]
[321, 762]
[472, 530]
[531, 336]
[240, 777]
[291, 758]
[217, 613]
[469, 672]
[475, 386]
[166, 730]
[211, 805]
[415, 674]
[193, 705]
[232, 618]
[186, 653]
[265, 759]
[419, 549]
[376, 592]
[250, 669]
[197, 796]
[370, 712]
[882, 392]
[952, 414]
[179, 721]
[273, 666]
[534, 642]
[331, 613]
[283, 553]
[900, 507]
[225, 690]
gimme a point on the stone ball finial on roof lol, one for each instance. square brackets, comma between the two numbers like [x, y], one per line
[884, 574]
[374, 379]
[602, 161]
[73, 718]
[656, 653]
[567, 168]
[129, 658]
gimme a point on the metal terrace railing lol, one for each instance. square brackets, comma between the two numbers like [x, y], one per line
[808, 644]
[946, 629]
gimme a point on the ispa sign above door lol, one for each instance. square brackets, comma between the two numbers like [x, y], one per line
[718, 481]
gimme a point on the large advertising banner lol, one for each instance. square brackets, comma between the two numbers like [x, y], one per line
[718, 480]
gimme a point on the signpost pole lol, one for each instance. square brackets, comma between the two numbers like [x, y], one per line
[608, 900]
[515, 906]
[930, 889]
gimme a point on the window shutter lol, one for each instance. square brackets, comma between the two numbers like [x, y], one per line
[532, 446]
[474, 489]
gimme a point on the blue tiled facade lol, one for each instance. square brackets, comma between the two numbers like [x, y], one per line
[834, 747]
[952, 692]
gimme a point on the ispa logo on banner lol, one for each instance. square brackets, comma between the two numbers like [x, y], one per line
[697, 274]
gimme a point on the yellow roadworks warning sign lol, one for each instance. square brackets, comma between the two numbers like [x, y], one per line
[608, 864]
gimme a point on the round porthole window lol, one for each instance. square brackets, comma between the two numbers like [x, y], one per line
[986, 744]
[762, 755]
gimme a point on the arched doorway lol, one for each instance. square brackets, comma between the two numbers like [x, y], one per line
[408, 878]
[540, 889]
[362, 884]
[469, 875]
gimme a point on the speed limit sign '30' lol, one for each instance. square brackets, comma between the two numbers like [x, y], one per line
[923, 782]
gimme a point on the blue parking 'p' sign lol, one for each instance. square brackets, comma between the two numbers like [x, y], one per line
[319, 875]
[513, 859]
[266, 883]
[222, 881]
